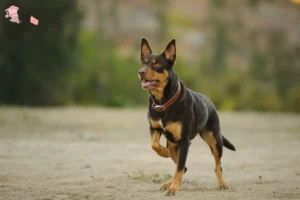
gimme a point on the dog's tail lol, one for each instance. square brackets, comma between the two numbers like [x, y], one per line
[227, 144]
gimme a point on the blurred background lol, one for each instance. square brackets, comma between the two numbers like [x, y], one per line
[244, 55]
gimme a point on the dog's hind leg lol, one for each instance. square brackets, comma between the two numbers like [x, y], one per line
[212, 136]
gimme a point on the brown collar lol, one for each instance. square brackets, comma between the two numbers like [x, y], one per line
[161, 108]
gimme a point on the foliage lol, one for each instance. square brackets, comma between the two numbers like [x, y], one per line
[154, 178]
[103, 78]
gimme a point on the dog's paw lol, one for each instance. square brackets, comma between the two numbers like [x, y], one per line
[224, 186]
[172, 190]
[166, 186]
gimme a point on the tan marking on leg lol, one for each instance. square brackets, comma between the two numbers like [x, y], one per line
[156, 146]
[173, 151]
[211, 141]
[175, 129]
[174, 156]
[177, 180]
[154, 124]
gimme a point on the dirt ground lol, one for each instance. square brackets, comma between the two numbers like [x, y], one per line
[95, 153]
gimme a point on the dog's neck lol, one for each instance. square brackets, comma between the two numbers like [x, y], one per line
[162, 95]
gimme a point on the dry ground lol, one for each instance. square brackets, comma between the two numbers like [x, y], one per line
[93, 153]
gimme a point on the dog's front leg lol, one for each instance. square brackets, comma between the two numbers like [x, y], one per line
[180, 169]
[156, 146]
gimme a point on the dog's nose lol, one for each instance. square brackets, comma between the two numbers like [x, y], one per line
[142, 71]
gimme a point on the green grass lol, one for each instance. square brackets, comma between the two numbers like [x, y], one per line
[154, 178]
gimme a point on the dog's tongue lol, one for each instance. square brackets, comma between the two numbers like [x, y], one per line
[146, 83]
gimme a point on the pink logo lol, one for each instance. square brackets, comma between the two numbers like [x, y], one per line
[34, 20]
[12, 12]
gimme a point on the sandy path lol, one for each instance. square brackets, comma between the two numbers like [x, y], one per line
[92, 153]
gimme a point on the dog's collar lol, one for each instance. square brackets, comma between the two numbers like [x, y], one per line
[161, 108]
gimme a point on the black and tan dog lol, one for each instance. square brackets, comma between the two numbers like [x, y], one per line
[179, 114]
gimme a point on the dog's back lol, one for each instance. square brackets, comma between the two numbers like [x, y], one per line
[203, 110]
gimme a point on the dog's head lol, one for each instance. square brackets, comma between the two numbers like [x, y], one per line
[154, 74]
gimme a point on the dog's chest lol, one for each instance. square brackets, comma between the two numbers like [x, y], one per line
[170, 130]
[160, 123]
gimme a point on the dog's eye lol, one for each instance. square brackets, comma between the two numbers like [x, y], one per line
[146, 61]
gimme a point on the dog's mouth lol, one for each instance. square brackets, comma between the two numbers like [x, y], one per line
[149, 84]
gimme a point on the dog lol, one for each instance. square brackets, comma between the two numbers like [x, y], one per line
[179, 114]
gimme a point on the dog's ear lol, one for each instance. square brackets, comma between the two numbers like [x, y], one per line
[145, 48]
[170, 51]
